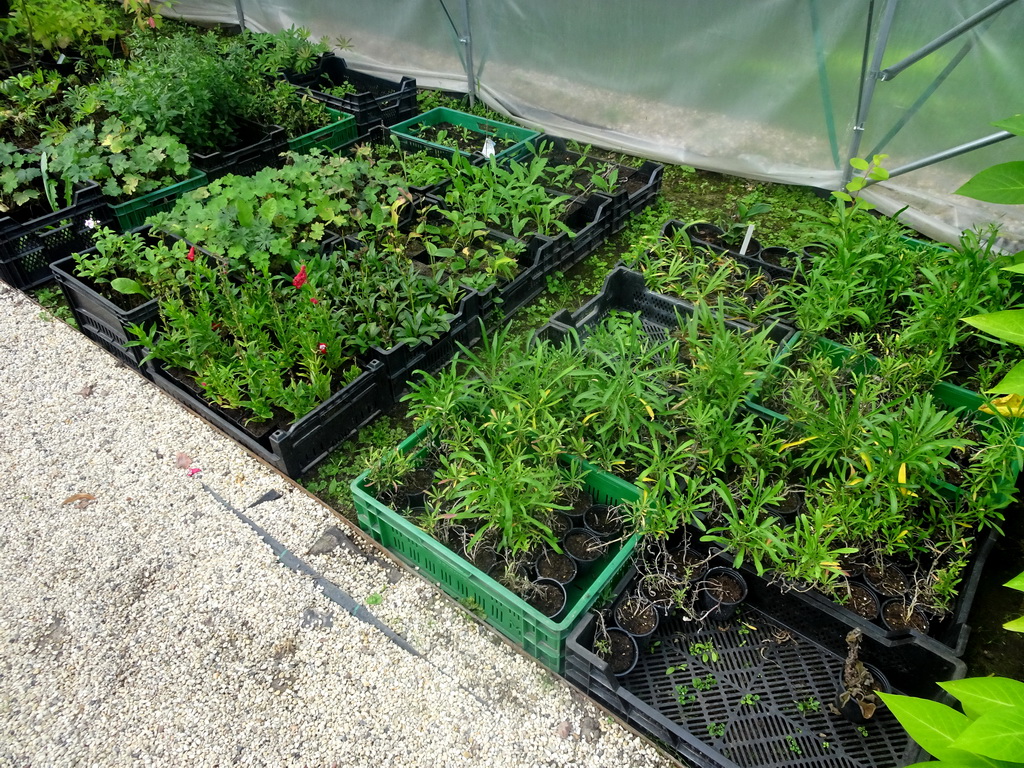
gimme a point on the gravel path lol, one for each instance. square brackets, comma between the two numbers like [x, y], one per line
[143, 622]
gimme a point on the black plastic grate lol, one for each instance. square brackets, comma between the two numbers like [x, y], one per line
[759, 656]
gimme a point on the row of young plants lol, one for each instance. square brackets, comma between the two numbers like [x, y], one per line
[330, 259]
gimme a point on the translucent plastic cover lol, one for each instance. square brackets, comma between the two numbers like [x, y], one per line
[766, 89]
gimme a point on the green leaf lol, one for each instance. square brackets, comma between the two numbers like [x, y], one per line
[998, 734]
[932, 725]
[1018, 268]
[1013, 124]
[1017, 582]
[126, 285]
[859, 163]
[1007, 325]
[979, 695]
[1017, 625]
[1002, 183]
[1012, 383]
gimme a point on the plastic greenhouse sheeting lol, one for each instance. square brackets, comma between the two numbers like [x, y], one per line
[767, 90]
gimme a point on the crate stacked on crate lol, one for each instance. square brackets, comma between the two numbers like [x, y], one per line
[373, 101]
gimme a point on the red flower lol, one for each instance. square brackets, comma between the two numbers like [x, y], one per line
[191, 254]
[314, 301]
[321, 349]
[301, 278]
[152, 22]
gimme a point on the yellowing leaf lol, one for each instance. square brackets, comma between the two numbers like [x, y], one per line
[855, 481]
[1005, 405]
[867, 462]
[589, 417]
[795, 443]
[902, 476]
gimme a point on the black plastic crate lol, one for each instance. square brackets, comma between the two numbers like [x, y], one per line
[625, 291]
[951, 632]
[635, 188]
[779, 650]
[588, 219]
[256, 147]
[28, 248]
[402, 362]
[101, 319]
[375, 102]
[306, 441]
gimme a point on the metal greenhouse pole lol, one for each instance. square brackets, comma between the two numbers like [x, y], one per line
[466, 39]
[876, 74]
[241, 14]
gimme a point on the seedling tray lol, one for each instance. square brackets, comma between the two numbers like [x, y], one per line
[28, 248]
[953, 630]
[635, 188]
[306, 441]
[537, 635]
[401, 362]
[101, 319]
[777, 649]
[257, 146]
[133, 213]
[374, 102]
[341, 131]
[625, 291]
[409, 138]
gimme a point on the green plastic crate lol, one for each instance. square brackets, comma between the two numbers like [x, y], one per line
[408, 133]
[538, 635]
[133, 213]
[340, 132]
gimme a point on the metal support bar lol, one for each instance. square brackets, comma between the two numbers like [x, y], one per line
[467, 40]
[241, 14]
[967, 24]
[868, 86]
[962, 149]
[925, 95]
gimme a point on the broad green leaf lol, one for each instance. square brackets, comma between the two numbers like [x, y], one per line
[127, 285]
[1017, 625]
[1018, 268]
[859, 163]
[1002, 183]
[1007, 325]
[932, 725]
[1017, 582]
[1012, 383]
[998, 734]
[979, 695]
[965, 760]
[1013, 124]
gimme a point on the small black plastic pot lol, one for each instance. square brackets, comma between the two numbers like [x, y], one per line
[880, 581]
[557, 566]
[549, 598]
[623, 654]
[603, 521]
[896, 618]
[716, 606]
[632, 611]
[862, 711]
[585, 547]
